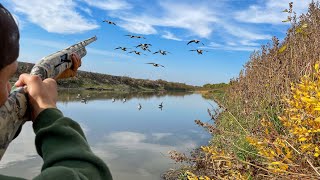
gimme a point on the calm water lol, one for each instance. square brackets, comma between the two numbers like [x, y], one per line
[133, 143]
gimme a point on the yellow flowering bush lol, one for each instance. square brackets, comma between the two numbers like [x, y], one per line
[299, 143]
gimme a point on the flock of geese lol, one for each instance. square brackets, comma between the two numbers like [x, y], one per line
[85, 101]
[146, 47]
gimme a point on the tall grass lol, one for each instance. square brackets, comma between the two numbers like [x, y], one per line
[270, 125]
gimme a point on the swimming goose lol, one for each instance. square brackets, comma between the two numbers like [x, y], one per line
[139, 106]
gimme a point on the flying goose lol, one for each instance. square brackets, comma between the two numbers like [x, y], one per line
[199, 51]
[194, 41]
[109, 22]
[133, 36]
[161, 52]
[122, 48]
[155, 64]
[137, 53]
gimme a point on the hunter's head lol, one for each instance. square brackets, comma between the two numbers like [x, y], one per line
[9, 51]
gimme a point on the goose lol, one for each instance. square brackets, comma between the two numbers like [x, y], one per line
[133, 36]
[161, 106]
[137, 53]
[113, 100]
[78, 96]
[109, 22]
[199, 51]
[161, 52]
[139, 106]
[194, 41]
[155, 64]
[84, 100]
[122, 48]
[88, 96]
[124, 100]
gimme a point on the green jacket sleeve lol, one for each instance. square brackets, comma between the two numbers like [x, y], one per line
[64, 149]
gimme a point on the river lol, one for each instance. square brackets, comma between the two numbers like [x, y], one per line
[134, 143]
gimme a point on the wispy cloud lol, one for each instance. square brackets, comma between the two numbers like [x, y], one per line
[234, 46]
[171, 36]
[54, 16]
[197, 19]
[270, 11]
[109, 4]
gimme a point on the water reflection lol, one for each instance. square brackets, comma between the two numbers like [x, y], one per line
[134, 143]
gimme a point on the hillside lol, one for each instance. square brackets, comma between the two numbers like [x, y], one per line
[98, 81]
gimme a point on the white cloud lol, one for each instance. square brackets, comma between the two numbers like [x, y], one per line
[169, 35]
[242, 45]
[270, 12]
[197, 19]
[57, 16]
[138, 27]
[109, 4]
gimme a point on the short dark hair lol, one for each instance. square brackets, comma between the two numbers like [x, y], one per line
[9, 38]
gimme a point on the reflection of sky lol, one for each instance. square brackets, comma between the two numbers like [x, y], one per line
[133, 143]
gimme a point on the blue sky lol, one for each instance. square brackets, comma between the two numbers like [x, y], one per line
[230, 30]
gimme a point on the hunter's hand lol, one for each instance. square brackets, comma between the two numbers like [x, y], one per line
[76, 63]
[42, 94]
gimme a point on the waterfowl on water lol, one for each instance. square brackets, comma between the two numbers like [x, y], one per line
[161, 106]
[139, 107]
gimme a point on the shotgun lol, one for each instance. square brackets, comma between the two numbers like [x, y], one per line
[14, 113]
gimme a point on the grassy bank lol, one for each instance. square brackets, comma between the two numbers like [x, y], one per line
[105, 82]
[269, 121]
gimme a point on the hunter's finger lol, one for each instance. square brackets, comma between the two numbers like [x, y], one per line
[27, 79]
[51, 83]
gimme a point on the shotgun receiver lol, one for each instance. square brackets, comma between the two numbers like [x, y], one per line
[14, 113]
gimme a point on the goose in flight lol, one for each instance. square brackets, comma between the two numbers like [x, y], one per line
[109, 22]
[78, 96]
[133, 36]
[199, 51]
[84, 100]
[162, 52]
[137, 53]
[122, 48]
[156, 65]
[194, 41]
[139, 107]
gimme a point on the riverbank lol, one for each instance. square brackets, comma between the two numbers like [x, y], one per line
[104, 82]
[268, 120]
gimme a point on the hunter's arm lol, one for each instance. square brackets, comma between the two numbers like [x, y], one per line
[64, 149]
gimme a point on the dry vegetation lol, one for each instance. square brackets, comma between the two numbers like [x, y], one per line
[270, 124]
